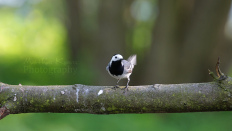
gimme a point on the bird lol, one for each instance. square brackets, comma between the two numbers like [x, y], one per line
[119, 68]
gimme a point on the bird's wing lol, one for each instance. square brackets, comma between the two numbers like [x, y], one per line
[132, 59]
[128, 66]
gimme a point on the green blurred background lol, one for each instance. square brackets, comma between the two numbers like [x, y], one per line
[64, 42]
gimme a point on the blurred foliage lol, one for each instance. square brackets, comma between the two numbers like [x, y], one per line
[33, 52]
[136, 122]
[145, 13]
[33, 49]
[27, 43]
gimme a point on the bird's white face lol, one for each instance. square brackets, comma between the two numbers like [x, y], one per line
[116, 57]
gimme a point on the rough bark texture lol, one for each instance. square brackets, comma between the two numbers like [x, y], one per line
[157, 98]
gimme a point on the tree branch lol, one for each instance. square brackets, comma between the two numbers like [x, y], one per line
[190, 97]
[157, 98]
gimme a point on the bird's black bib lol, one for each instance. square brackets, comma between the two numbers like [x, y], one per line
[116, 68]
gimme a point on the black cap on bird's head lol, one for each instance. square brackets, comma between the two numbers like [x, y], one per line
[116, 57]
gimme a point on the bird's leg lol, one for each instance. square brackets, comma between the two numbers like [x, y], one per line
[126, 88]
[117, 86]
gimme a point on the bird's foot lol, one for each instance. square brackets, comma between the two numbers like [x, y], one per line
[125, 89]
[115, 87]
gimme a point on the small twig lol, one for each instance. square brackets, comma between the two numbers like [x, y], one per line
[218, 71]
[4, 112]
[220, 76]
[212, 75]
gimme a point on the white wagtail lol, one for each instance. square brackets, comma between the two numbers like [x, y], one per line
[120, 68]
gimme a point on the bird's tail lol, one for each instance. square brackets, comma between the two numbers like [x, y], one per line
[132, 59]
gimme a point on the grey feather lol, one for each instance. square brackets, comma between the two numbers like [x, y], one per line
[132, 59]
[129, 64]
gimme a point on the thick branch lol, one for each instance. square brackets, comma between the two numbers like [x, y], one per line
[190, 97]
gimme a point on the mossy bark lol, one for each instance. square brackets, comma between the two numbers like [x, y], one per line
[189, 97]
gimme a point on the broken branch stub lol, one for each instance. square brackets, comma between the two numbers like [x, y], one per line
[220, 76]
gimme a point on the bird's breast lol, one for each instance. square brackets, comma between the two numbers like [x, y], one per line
[116, 68]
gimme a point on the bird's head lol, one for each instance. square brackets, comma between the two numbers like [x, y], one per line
[117, 57]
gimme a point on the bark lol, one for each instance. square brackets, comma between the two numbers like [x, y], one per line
[157, 98]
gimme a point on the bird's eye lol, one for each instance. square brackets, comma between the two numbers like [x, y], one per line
[116, 57]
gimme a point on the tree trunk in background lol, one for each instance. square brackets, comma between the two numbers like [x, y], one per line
[210, 16]
[80, 36]
[73, 26]
[184, 40]
[97, 44]
[111, 37]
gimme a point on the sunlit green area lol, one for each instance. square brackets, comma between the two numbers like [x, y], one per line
[34, 51]
[136, 122]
